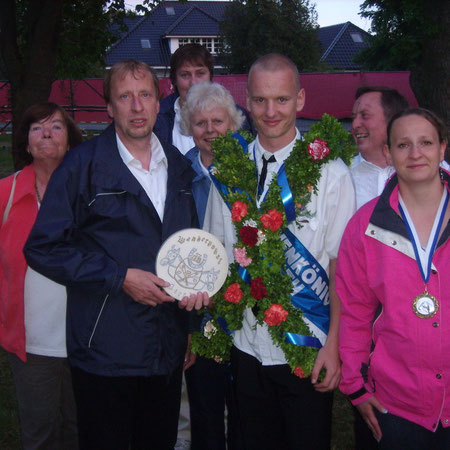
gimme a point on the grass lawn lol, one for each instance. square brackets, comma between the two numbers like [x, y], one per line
[9, 424]
[6, 165]
[342, 434]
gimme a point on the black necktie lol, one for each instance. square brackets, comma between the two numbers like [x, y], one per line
[262, 177]
[262, 180]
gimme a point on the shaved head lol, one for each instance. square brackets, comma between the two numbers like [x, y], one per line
[274, 62]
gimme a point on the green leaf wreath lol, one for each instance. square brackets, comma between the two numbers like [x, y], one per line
[259, 247]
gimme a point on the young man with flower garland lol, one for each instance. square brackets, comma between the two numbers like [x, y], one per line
[282, 249]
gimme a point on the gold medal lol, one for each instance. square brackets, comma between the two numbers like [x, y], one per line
[425, 305]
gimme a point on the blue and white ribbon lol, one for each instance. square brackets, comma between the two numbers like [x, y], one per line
[424, 256]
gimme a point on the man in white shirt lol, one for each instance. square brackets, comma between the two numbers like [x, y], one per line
[277, 409]
[374, 106]
[105, 214]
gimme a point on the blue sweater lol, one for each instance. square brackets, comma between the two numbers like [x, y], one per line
[200, 184]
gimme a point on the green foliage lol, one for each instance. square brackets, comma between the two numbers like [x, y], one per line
[85, 36]
[338, 139]
[82, 36]
[402, 30]
[242, 177]
[213, 343]
[301, 169]
[266, 257]
[252, 28]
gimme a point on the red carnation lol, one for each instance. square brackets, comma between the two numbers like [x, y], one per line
[249, 235]
[257, 288]
[299, 372]
[275, 315]
[233, 294]
[238, 211]
[272, 219]
[318, 149]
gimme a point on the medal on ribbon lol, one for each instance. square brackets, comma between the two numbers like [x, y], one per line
[425, 305]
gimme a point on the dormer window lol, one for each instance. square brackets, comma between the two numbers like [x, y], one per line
[356, 37]
[213, 45]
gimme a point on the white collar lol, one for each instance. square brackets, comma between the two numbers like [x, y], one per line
[281, 154]
[177, 107]
[158, 155]
[204, 169]
[359, 159]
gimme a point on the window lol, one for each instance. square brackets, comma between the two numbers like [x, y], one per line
[170, 10]
[217, 45]
[356, 37]
[145, 43]
[213, 45]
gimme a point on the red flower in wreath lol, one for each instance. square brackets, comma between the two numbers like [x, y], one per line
[233, 294]
[318, 149]
[272, 219]
[257, 288]
[249, 235]
[275, 315]
[299, 372]
[238, 211]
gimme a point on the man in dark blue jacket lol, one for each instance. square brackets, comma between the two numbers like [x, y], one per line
[106, 212]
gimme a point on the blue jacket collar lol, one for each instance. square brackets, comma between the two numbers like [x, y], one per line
[385, 217]
[119, 177]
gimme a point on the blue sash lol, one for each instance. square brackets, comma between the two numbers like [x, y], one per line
[310, 288]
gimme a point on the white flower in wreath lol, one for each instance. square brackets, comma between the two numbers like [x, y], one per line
[250, 223]
[261, 237]
[209, 330]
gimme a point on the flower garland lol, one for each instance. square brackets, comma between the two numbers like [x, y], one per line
[259, 250]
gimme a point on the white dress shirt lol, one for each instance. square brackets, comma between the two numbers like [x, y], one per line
[180, 141]
[371, 179]
[153, 181]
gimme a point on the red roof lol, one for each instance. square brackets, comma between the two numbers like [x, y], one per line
[331, 93]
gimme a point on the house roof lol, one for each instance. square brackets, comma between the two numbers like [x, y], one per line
[341, 43]
[170, 18]
[194, 22]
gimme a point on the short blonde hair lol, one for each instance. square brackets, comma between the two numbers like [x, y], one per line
[132, 66]
[273, 62]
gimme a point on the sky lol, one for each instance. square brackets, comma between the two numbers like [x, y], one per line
[330, 12]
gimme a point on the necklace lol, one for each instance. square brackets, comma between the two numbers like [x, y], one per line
[39, 198]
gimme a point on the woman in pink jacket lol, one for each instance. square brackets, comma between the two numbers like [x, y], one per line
[32, 307]
[393, 279]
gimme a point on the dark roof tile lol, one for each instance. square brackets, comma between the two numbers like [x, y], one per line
[201, 18]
